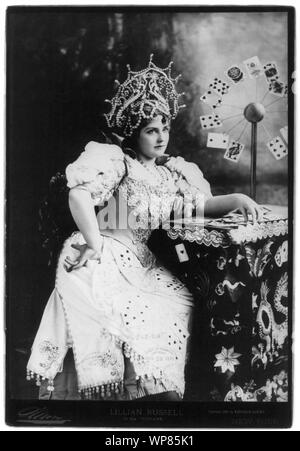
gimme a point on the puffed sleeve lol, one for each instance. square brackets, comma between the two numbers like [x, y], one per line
[99, 170]
[189, 179]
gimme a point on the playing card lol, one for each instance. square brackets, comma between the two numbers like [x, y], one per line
[210, 121]
[254, 67]
[235, 74]
[271, 71]
[277, 148]
[284, 133]
[181, 253]
[217, 140]
[234, 151]
[277, 88]
[211, 99]
[219, 86]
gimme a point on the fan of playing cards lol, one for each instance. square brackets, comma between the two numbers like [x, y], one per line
[269, 89]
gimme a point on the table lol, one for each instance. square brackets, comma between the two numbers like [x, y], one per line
[238, 274]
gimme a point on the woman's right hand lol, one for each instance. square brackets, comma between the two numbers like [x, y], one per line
[85, 254]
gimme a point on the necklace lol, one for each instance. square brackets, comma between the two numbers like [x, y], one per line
[156, 171]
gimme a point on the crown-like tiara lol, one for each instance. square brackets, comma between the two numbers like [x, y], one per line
[141, 95]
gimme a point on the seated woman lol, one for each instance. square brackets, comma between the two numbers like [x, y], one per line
[125, 316]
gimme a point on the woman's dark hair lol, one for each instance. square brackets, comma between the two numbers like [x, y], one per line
[129, 143]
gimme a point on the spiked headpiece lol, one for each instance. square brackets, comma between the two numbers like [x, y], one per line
[141, 96]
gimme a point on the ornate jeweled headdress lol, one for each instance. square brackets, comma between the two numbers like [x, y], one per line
[141, 95]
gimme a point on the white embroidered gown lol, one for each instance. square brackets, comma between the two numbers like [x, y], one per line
[129, 305]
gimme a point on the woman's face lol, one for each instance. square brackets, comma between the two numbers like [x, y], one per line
[153, 139]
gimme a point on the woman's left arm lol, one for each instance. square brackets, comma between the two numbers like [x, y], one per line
[193, 188]
[197, 186]
[222, 205]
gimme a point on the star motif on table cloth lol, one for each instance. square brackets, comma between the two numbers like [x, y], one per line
[227, 360]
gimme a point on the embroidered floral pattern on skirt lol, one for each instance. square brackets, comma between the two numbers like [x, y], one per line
[112, 311]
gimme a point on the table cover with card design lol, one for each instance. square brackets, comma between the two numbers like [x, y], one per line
[238, 274]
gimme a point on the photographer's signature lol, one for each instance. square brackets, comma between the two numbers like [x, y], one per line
[39, 416]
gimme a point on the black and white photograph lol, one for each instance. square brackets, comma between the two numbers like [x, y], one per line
[149, 216]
